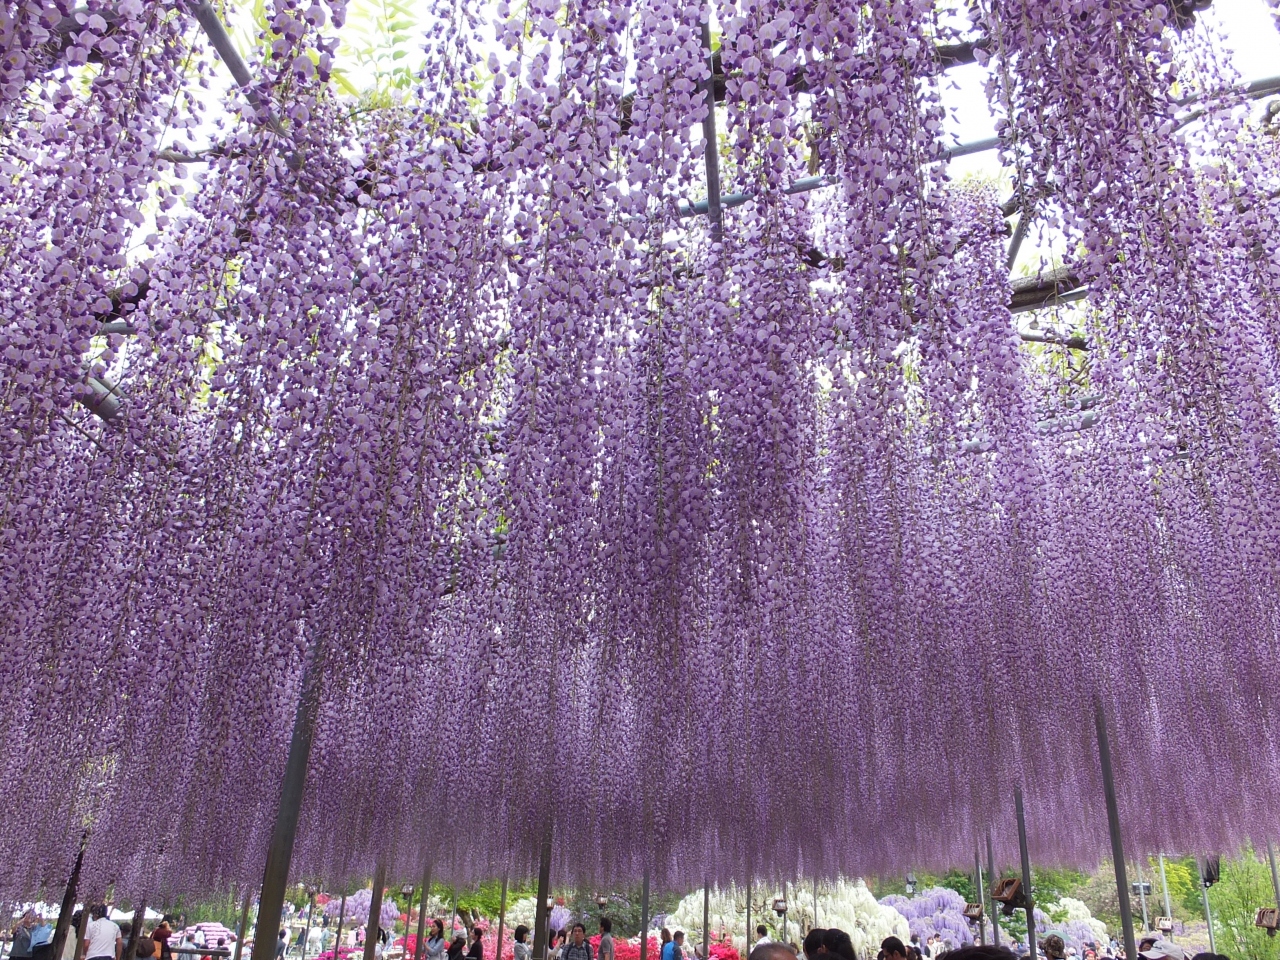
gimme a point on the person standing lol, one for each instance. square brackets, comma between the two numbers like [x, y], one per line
[522, 950]
[282, 944]
[20, 936]
[605, 951]
[577, 948]
[102, 938]
[435, 941]
[476, 950]
[161, 935]
[41, 939]
[762, 935]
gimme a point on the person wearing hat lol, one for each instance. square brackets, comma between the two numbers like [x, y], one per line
[1053, 947]
[1162, 949]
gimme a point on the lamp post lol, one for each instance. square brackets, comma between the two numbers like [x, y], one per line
[601, 902]
[1205, 883]
[780, 908]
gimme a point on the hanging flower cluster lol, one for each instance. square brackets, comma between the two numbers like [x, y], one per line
[565, 513]
[936, 911]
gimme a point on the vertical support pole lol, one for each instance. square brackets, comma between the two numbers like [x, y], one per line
[84, 927]
[712, 150]
[991, 875]
[1164, 886]
[1271, 857]
[1142, 896]
[1113, 823]
[243, 930]
[337, 934]
[542, 912]
[275, 876]
[1026, 874]
[69, 901]
[982, 897]
[135, 931]
[1208, 913]
[502, 920]
[374, 924]
[306, 930]
[706, 921]
[422, 912]
[644, 916]
[815, 902]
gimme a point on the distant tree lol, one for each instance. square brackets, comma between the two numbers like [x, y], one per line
[1244, 887]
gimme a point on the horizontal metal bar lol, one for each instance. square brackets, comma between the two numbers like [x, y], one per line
[1036, 336]
[1071, 296]
[221, 40]
[104, 398]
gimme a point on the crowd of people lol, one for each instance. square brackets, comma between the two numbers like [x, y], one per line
[836, 945]
[831, 944]
[98, 937]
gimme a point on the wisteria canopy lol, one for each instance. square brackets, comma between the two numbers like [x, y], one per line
[696, 548]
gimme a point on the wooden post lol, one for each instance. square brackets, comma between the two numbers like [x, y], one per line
[69, 901]
[711, 153]
[337, 934]
[306, 930]
[422, 913]
[1275, 877]
[1026, 874]
[1113, 824]
[135, 931]
[1142, 896]
[746, 950]
[706, 921]
[991, 876]
[982, 897]
[1208, 913]
[375, 911]
[275, 876]
[542, 913]
[244, 925]
[644, 917]
[502, 919]
[1168, 909]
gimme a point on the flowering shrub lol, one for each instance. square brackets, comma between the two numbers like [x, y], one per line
[936, 910]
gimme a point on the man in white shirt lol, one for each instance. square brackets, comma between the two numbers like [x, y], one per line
[762, 935]
[102, 939]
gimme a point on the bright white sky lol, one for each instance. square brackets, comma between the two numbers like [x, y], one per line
[1245, 26]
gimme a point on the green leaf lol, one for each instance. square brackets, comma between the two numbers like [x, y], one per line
[346, 86]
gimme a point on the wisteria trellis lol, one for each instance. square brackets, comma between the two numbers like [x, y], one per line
[701, 553]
